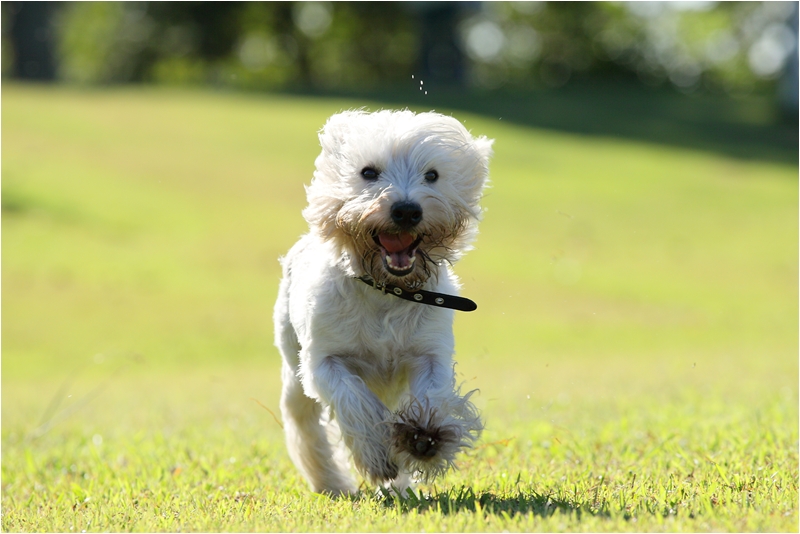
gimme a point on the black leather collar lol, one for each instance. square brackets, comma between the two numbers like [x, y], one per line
[439, 300]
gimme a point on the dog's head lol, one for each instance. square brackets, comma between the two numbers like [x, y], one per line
[398, 192]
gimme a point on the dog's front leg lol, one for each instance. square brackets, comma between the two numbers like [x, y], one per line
[436, 422]
[362, 417]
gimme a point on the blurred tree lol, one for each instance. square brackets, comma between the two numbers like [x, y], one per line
[440, 58]
[730, 46]
[789, 86]
[733, 46]
[29, 30]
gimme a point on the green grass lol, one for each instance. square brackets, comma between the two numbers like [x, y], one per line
[635, 343]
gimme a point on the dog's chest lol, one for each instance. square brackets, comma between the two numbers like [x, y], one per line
[380, 337]
[388, 333]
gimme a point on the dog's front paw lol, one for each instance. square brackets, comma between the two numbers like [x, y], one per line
[425, 440]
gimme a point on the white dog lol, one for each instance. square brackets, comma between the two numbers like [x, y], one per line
[364, 313]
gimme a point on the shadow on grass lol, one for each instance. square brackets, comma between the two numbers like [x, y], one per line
[751, 127]
[465, 499]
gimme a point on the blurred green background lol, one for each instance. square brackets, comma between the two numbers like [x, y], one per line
[717, 75]
[640, 243]
[728, 47]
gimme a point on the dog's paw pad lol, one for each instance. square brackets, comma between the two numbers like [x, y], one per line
[423, 444]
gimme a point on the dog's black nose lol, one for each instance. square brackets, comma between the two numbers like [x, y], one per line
[406, 214]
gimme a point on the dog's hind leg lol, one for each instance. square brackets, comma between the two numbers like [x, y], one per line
[319, 459]
[307, 438]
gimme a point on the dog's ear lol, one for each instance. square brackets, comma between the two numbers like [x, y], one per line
[323, 204]
[483, 146]
[321, 211]
[332, 136]
[482, 150]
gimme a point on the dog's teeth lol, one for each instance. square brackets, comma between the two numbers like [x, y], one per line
[390, 263]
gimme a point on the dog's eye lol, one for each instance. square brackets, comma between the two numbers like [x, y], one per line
[431, 176]
[368, 173]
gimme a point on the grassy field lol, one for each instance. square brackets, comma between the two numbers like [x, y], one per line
[636, 341]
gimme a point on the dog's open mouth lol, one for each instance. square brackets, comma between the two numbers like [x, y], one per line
[398, 251]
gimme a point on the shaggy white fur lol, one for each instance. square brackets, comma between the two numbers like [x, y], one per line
[368, 376]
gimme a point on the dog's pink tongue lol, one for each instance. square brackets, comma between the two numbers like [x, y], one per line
[396, 242]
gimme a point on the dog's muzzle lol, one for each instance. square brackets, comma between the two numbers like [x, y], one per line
[398, 249]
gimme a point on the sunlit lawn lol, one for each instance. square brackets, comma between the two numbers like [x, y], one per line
[635, 343]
